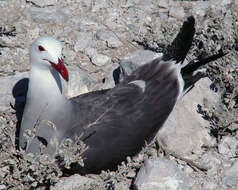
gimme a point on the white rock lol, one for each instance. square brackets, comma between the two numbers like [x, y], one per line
[163, 4]
[90, 52]
[7, 83]
[46, 15]
[185, 130]
[3, 187]
[76, 182]
[209, 185]
[160, 174]
[109, 77]
[100, 59]
[88, 3]
[228, 146]
[80, 82]
[121, 186]
[84, 40]
[177, 11]
[136, 59]
[99, 4]
[200, 8]
[109, 37]
[43, 3]
[210, 161]
[230, 178]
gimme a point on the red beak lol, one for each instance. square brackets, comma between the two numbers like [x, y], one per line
[60, 68]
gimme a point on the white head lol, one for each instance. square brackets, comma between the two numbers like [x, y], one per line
[45, 53]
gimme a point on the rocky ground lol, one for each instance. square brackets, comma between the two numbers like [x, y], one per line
[197, 147]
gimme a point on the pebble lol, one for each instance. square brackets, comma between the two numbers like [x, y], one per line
[110, 38]
[2, 187]
[136, 59]
[177, 11]
[80, 82]
[46, 15]
[185, 130]
[6, 94]
[100, 59]
[230, 178]
[210, 185]
[76, 182]
[84, 41]
[43, 3]
[228, 146]
[209, 160]
[160, 174]
[200, 8]
[121, 186]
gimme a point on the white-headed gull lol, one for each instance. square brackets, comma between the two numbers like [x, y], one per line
[121, 119]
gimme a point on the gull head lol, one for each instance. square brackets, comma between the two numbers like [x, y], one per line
[46, 53]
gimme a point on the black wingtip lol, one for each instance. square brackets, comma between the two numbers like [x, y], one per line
[180, 46]
[189, 73]
[194, 65]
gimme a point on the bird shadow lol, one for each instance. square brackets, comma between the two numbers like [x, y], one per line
[19, 92]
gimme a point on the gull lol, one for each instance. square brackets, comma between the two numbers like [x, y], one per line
[113, 123]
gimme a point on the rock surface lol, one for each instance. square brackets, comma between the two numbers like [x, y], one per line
[160, 174]
[185, 131]
[134, 60]
[46, 15]
[230, 178]
[76, 182]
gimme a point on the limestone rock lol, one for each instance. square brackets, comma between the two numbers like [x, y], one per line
[185, 130]
[77, 182]
[46, 15]
[160, 174]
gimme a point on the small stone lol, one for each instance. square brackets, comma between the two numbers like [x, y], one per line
[8, 92]
[136, 59]
[3, 187]
[43, 3]
[177, 12]
[164, 4]
[76, 182]
[184, 131]
[228, 146]
[84, 40]
[109, 37]
[209, 185]
[201, 8]
[114, 42]
[131, 174]
[121, 186]
[210, 161]
[230, 178]
[90, 52]
[46, 15]
[80, 82]
[99, 4]
[160, 174]
[88, 3]
[100, 59]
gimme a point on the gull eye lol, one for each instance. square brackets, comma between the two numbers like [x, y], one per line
[40, 48]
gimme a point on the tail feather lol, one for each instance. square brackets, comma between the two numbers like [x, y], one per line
[194, 65]
[180, 46]
[192, 72]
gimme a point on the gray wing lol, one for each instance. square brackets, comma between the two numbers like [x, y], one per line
[117, 122]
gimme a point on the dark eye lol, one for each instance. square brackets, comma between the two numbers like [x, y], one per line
[40, 48]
